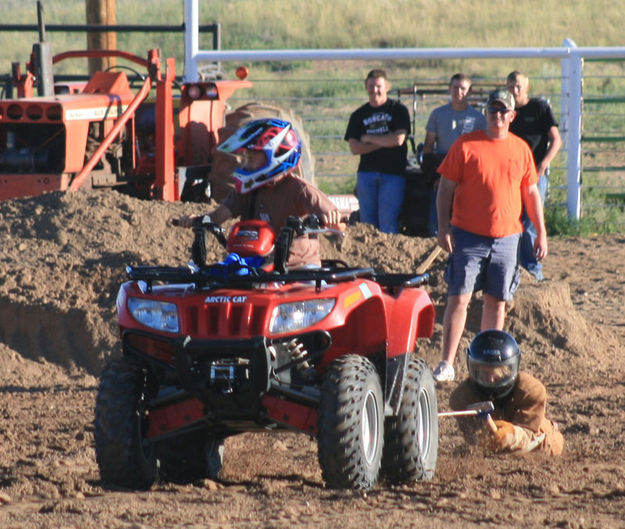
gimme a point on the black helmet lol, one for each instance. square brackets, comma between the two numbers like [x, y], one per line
[493, 362]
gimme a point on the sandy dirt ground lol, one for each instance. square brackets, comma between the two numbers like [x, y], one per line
[61, 263]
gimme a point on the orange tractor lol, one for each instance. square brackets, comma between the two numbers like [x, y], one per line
[104, 133]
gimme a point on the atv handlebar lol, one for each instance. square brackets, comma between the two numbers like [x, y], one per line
[312, 224]
[204, 223]
[295, 227]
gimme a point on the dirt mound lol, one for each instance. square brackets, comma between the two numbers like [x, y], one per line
[19, 372]
[543, 318]
[62, 262]
[64, 257]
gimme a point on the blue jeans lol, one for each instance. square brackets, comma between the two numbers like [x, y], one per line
[380, 196]
[526, 251]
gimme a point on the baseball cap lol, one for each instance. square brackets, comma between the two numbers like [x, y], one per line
[503, 96]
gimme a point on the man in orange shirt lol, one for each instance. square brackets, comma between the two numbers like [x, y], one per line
[487, 179]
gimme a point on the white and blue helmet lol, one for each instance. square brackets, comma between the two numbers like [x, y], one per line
[276, 138]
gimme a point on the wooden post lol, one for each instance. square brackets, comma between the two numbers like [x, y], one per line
[101, 12]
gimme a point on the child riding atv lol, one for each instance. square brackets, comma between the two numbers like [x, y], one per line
[268, 151]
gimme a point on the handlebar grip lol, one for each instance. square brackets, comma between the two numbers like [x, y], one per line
[196, 222]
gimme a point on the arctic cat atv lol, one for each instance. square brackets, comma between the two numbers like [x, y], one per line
[213, 350]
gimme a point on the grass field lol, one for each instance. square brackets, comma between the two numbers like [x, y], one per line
[273, 24]
[324, 93]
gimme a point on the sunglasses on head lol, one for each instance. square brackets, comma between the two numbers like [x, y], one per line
[500, 110]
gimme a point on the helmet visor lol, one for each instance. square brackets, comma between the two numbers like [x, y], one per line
[494, 376]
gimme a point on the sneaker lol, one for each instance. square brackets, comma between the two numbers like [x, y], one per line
[444, 372]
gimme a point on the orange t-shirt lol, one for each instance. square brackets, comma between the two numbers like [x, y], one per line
[489, 174]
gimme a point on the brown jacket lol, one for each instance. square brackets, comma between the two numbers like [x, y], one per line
[524, 407]
[290, 196]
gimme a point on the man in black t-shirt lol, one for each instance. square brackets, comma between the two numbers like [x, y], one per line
[534, 123]
[377, 132]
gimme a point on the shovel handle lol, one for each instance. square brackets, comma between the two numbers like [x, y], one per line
[422, 268]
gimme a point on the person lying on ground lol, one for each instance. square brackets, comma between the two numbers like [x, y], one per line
[519, 399]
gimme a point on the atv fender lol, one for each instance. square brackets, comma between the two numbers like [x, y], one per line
[411, 316]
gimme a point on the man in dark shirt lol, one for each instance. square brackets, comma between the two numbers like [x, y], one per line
[534, 123]
[377, 133]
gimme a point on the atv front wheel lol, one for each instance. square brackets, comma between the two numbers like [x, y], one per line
[351, 424]
[411, 437]
[124, 456]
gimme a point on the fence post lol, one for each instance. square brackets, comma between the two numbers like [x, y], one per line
[572, 98]
[191, 40]
[565, 74]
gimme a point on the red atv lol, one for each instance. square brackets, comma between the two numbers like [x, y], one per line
[210, 351]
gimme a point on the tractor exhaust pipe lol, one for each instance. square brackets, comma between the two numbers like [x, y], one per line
[42, 53]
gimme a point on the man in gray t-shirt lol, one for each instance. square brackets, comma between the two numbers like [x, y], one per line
[445, 124]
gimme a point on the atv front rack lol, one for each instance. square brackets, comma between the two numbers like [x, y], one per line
[219, 276]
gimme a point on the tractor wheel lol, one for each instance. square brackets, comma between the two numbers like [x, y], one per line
[122, 453]
[223, 165]
[351, 424]
[190, 457]
[411, 437]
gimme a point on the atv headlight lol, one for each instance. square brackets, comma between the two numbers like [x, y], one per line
[299, 314]
[154, 314]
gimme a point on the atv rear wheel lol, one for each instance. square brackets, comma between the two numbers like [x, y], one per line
[123, 455]
[351, 424]
[190, 457]
[411, 437]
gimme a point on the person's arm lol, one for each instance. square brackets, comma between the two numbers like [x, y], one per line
[428, 142]
[358, 147]
[534, 206]
[390, 139]
[511, 437]
[218, 216]
[312, 200]
[353, 133]
[444, 201]
[522, 432]
[555, 142]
